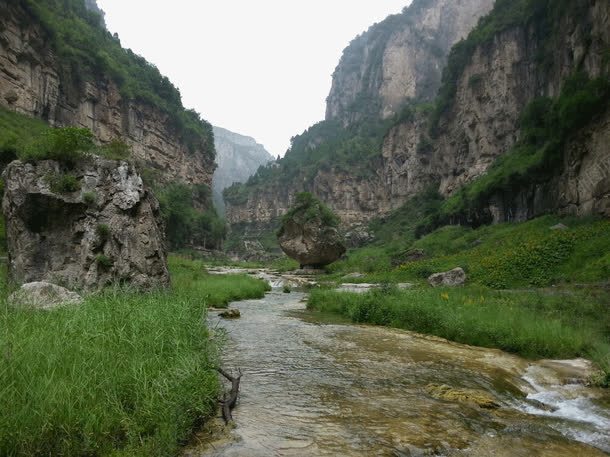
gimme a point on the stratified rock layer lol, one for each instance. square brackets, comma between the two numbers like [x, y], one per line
[108, 231]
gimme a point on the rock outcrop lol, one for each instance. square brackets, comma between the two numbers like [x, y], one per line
[453, 278]
[103, 228]
[34, 81]
[309, 233]
[238, 157]
[43, 295]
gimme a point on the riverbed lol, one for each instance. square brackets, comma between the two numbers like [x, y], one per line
[316, 386]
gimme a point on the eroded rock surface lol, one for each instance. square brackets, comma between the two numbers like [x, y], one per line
[107, 231]
[311, 242]
[43, 295]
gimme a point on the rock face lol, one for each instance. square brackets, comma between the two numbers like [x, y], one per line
[400, 58]
[497, 82]
[107, 231]
[43, 295]
[32, 82]
[453, 278]
[311, 242]
[238, 157]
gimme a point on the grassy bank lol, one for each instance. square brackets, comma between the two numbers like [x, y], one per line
[536, 323]
[124, 374]
[498, 256]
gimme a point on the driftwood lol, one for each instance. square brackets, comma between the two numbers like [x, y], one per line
[229, 401]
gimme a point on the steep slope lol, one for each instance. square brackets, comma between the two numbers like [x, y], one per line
[519, 128]
[393, 64]
[399, 59]
[238, 157]
[60, 64]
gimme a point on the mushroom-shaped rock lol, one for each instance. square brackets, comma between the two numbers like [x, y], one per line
[453, 278]
[309, 233]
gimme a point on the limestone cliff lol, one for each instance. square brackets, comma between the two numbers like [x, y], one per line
[500, 78]
[238, 157]
[507, 62]
[36, 79]
[400, 58]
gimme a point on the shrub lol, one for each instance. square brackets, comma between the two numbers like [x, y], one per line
[63, 183]
[103, 232]
[287, 289]
[115, 150]
[104, 261]
[67, 145]
[89, 198]
[308, 207]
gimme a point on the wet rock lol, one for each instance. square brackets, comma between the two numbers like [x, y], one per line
[453, 278]
[43, 295]
[478, 397]
[105, 229]
[230, 314]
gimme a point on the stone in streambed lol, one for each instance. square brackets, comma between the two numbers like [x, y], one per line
[230, 314]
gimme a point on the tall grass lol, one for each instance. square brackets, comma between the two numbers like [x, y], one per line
[124, 374]
[534, 324]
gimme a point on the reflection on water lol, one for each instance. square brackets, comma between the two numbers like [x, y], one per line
[344, 390]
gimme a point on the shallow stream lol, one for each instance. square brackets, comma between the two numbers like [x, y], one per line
[313, 386]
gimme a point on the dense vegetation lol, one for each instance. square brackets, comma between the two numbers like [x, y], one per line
[88, 51]
[185, 224]
[124, 374]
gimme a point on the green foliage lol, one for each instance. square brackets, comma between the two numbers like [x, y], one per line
[15, 131]
[104, 261]
[89, 198]
[287, 289]
[115, 150]
[125, 374]
[89, 52]
[186, 225]
[67, 145]
[103, 232]
[63, 183]
[535, 324]
[306, 208]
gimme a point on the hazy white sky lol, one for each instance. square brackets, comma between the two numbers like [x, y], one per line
[258, 67]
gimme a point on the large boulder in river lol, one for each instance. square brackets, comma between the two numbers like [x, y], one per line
[83, 226]
[309, 233]
[43, 295]
[453, 278]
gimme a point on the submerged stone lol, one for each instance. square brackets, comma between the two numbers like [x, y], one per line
[230, 314]
[478, 397]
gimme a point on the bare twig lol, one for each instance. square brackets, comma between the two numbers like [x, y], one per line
[229, 401]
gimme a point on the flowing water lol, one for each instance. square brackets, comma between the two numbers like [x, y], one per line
[314, 387]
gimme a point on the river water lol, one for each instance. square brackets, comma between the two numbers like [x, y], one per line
[314, 387]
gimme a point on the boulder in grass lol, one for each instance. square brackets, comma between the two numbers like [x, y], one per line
[43, 295]
[453, 278]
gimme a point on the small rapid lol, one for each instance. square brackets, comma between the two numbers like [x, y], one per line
[316, 386]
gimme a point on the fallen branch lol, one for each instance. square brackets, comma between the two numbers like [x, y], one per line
[229, 403]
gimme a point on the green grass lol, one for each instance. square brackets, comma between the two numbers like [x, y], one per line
[124, 374]
[535, 324]
[509, 255]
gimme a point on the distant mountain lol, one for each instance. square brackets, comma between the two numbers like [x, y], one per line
[238, 157]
